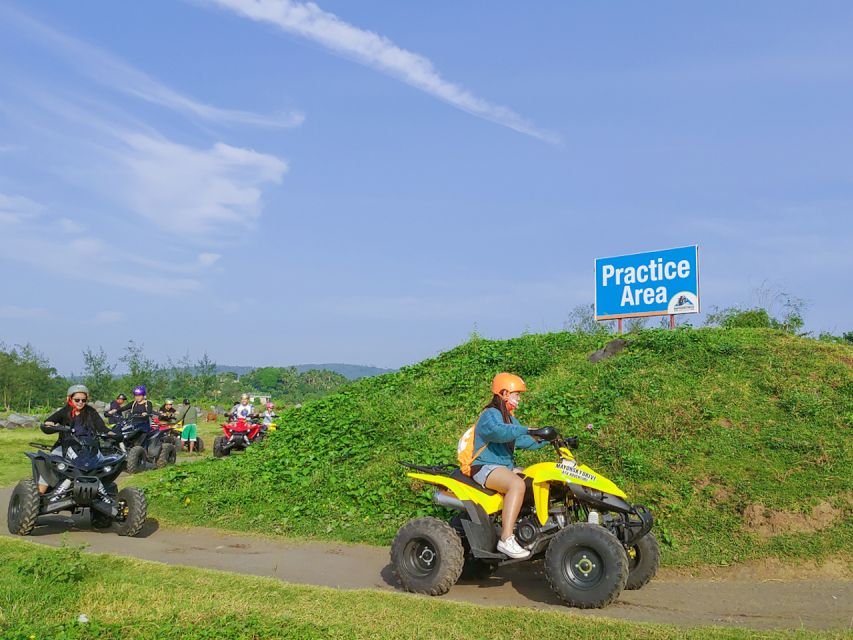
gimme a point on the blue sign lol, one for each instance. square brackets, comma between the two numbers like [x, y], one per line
[654, 283]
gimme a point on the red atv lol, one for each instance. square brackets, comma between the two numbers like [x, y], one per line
[239, 434]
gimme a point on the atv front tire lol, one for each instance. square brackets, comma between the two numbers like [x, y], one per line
[168, 455]
[199, 445]
[427, 556]
[134, 511]
[136, 459]
[24, 507]
[586, 566]
[643, 561]
[218, 451]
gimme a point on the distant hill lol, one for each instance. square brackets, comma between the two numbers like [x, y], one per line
[349, 371]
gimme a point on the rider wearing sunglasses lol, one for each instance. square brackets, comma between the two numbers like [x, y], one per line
[83, 419]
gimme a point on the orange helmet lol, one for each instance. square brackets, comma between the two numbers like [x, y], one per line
[507, 382]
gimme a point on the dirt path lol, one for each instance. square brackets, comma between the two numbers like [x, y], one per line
[753, 603]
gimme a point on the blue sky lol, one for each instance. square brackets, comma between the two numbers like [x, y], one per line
[275, 182]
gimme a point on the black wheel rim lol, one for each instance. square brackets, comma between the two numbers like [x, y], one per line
[583, 567]
[15, 508]
[420, 558]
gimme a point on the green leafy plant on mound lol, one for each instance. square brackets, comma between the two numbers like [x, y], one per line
[738, 439]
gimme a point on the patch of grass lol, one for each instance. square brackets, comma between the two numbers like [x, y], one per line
[14, 465]
[697, 424]
[134, 600]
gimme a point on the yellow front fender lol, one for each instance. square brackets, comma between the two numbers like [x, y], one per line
[567, 471]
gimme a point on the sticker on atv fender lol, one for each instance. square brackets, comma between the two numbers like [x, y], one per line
[570, 471]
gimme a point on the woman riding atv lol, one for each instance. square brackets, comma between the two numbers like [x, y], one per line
[492, 443]
[83, 420]
[140, 409]
[168, 413]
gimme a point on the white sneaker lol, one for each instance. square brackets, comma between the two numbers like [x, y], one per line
[511, 548]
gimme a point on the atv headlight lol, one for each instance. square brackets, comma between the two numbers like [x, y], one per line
[62, 466]
[107, 469]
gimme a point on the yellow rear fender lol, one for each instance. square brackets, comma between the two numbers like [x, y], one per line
[490, 503]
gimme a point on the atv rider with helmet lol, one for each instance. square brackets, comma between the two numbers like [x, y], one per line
[492, 443]
[243, 409]
[140, 409]
[115, 405]
[269, 417]
[168, 413]
[76, 420]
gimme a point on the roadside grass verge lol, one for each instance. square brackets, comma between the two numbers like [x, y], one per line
[44, 590]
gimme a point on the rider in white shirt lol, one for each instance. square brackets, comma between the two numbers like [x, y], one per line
[243, 409]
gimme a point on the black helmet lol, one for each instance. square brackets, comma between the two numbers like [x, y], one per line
[121, 396]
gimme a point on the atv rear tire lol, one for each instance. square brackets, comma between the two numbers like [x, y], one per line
[134, 511]
[218, 451]
[24, 507]
[100, 520]
[643, 561]
[136, 459]
[586, 566]
[427, 556]
[199, 445]
[168, 455]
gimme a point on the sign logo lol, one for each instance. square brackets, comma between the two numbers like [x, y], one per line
[654, 283]
[570, 471]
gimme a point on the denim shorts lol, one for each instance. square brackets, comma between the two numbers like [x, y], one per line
[481, 476]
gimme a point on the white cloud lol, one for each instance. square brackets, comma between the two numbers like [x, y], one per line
[309, 21]
[207, 259]
[111, 71]
[15, 209]
[13, 312]
[189, 190]
[70, 226]
[108, 317]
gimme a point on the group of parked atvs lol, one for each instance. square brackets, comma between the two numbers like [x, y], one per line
[85, 479]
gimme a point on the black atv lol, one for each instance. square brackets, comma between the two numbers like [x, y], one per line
[85, 482]
[146, 450]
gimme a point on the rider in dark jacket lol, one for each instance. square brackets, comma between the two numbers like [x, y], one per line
[84, 422]
[140, 409]
[115, 407]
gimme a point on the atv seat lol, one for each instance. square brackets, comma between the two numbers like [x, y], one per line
[450, 470]
[461, 477]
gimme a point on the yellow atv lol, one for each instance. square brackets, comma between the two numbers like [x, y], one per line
[594, 543]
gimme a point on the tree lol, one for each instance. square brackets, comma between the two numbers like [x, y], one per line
[204, 382]
[97, 373]
[582, 320]
[141, 370]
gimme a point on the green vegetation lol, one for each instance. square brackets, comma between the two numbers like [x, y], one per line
[291, 386]
[704, 426]
[26, 379]
[134, 600]
[14, 465]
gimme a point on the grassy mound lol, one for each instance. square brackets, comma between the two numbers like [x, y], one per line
[739, 440]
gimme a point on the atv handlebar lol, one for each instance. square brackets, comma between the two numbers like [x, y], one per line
[549, 434]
